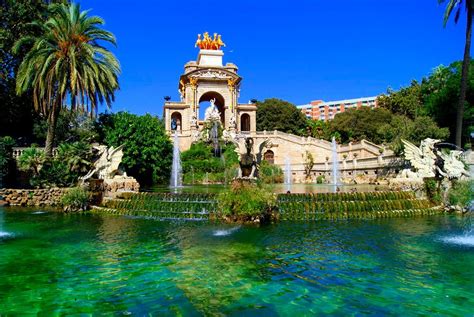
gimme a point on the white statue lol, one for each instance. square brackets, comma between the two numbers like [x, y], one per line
[107, 165]
[194, 122]
[232, 122]
[211, 112]
[422, 159]
[453, 166]
[428, 162]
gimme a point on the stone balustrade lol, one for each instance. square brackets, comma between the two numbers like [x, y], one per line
[18, 151]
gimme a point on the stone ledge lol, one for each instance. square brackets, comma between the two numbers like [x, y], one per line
[32, 197]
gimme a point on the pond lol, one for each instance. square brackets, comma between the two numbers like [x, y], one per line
[54, 264]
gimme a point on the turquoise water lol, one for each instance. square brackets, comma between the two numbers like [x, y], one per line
[56, 264]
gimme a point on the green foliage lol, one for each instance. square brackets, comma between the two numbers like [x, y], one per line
[15, 22]
[401, 127]
[432, 190]
[320, 179]
[31, 160]
[71, 126]
[244, 201]
[441, 95]
[75, 199]
[359, 124]
[380, 125]
[148, 151]
[319, 129]
[270, 173]
[6, 159]
[77, 156]
[277, 114]
[308, 164]
[67, 59]
[200, 159]
[407, 101]
[72, 160]
[461, 193]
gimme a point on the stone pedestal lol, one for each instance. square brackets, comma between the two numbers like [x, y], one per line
[210, 58]
[119, 184]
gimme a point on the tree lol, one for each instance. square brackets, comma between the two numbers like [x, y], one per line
[31, 160]
[148, 151]
[277, 114]
[67, 60]
[6, 158]
[440, 91]
[407, 101]
[15, 22]
[402, 127]
[456, 5]
[308, 164]
[318, 129]
[359, 124]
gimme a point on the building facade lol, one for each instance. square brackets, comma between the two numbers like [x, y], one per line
[325, 111]
[208, 79]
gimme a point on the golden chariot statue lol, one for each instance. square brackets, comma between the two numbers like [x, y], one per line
[208, 43]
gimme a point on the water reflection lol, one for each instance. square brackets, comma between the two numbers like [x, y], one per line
[83, 264]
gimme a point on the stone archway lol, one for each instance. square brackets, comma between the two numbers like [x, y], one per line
[245, 122]
[220, 103]
[176, 122]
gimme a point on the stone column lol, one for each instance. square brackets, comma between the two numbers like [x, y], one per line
[233, 105]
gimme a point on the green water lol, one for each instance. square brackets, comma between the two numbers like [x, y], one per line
[55, 264]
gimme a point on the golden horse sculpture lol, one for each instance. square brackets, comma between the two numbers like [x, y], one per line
[208, 43]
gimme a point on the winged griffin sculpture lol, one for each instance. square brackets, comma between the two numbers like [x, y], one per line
[453, 166]
[422, 158]
[107, 165]
[429, 162]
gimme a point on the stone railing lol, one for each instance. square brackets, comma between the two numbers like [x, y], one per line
[18, 151]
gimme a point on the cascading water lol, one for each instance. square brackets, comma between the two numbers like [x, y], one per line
[288, 174]
[215, 138]
[335, 165]
[3, 234]
[176, 170]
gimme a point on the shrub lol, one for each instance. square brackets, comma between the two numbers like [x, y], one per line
[31, 160]
[269, 173]
[75, 199]
[6, 159]
[320, 179]
[200, 159]
[461, 194]
[148, 151]
[71, 161]
[432, 190]
[245, 202]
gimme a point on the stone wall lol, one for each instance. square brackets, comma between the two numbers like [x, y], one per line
[32, 197]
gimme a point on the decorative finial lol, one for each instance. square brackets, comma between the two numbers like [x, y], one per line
[208, 43]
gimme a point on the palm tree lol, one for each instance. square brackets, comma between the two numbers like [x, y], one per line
[67, 61]
[456, 5]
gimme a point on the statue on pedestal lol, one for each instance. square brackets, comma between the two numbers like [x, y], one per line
[247, 163]
[212, 113]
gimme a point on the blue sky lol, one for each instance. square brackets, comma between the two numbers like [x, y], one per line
[294, 50]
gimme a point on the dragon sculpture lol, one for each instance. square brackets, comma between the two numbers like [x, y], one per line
[430, 162]
[107, 165]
